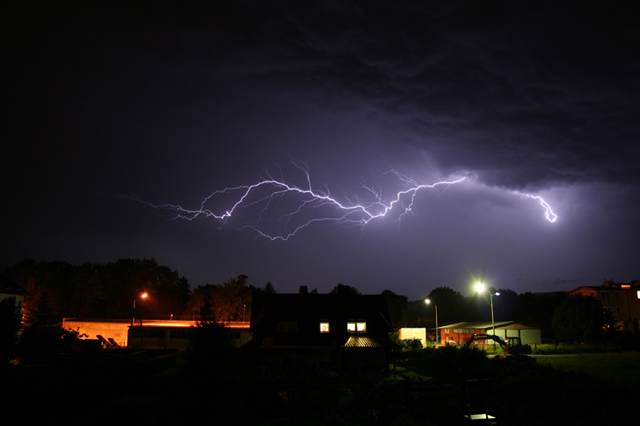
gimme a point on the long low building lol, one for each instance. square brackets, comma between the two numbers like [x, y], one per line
[151, 334]
[459, 333]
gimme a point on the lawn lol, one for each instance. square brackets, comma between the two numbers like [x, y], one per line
[623, 368]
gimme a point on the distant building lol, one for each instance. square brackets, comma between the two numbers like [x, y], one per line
[9, 289]
[345, 332]
[152, 334]
[458, 334]
[621, 299]
[410, 334]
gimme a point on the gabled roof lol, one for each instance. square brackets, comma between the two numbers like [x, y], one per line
[7, 286]
[484, 325]
[293, 307]
[367, 342]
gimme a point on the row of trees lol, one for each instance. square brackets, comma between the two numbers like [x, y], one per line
[93, 290]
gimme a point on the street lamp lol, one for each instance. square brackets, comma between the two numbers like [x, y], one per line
[480, 288]
[428, 302]
[133, 318]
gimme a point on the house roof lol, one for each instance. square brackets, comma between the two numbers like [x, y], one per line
[366, 342]
[7, 286]
[485, 325]
[292, 307]
[609, 285]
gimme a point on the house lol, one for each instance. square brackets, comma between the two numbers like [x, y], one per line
[459, 333]
[622, 300]
[10, 289]
[344, 332]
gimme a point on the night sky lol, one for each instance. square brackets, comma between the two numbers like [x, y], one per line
[111, 107]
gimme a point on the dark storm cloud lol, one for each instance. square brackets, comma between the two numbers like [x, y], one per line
[526, 96]
[172, 101]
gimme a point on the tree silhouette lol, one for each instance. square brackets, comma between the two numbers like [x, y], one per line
[397, 306]
[102, 290]
[537, 310]
[43, 339]
[10, 321]
[230, 301]
[580, 319]
[452, 306]
[344, 289]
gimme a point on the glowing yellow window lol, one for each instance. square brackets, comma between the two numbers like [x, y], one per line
[324, 327]
[356, 327]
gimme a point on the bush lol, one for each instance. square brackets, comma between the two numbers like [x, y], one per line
[45, 344]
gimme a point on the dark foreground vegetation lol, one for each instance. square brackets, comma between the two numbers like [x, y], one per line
[220, 385]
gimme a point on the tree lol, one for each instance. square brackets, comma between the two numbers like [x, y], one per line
[505, 305]
[209, 346]
[452, 306]
[580, 319]
[267, 289]
[102, 290]
[10, 321]
[397, 306]
[201, 298]
[233, 300]
[43, 340]
[537, 310]
[211, 358]
[344, 289]
[122, 281]
[230, 301]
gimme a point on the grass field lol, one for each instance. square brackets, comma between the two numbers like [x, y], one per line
[623, 368]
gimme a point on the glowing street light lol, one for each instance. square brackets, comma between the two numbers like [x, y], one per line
[480, 288]
[142, 297]
[428, 302]
[133, 318]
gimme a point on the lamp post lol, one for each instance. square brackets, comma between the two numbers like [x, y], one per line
[133, 318]
[480, 288]
[428, 301]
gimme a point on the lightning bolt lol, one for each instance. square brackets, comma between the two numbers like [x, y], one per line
[549, 214]
[294, 208]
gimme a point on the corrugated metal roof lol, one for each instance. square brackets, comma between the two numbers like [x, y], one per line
[365, 342]
[477, 325]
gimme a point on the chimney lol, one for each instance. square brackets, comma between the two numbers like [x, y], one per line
[304, 289]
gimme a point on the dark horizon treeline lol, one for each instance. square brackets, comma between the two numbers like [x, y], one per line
[93, 290]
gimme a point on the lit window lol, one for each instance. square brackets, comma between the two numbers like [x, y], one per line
[324, 327]
[357, 327]
[638, 294]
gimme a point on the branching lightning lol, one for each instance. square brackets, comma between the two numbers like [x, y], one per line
[549, 214]
[277, 210]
